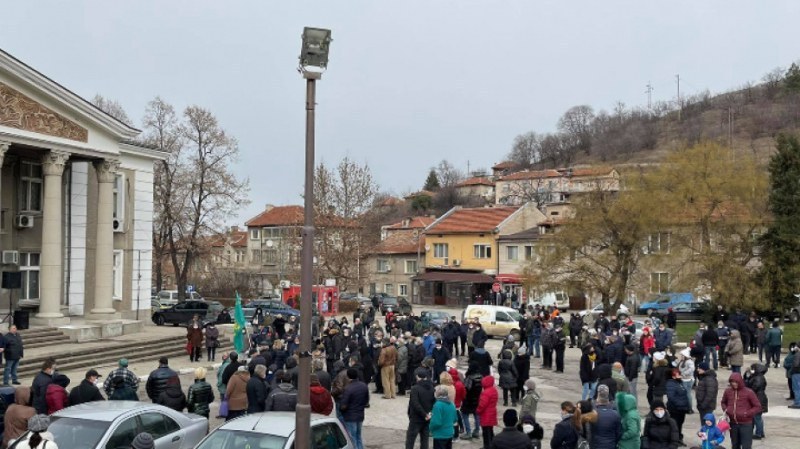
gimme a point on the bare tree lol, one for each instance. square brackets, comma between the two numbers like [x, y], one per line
[526, 151]
[448, 175]
[575, 124]
[112, 108]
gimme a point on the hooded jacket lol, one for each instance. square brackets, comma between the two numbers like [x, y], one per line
[661, 433]
[17, 415]
[472, 384]
[461, 391]
[321, 399]
[758, 383]
[604, 378]
[712, 433]
[631, 424]
[56, 397]
[282, 398]
[529, 403]
[740, 404]
[706, 391]
[487, 404]
[735, 349]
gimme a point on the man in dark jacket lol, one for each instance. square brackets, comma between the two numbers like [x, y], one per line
[710, 341]
[510, 437]
[157, 380]
[420, 405]
[12, 351]
[86, 391]
[479, 337]
[172, 396]
[40, 383]
[633, 363]
[706, 390]
[607, 431]
[575, 326]
[282, 398]
[257, 390]
[232, 367]
[352, 404]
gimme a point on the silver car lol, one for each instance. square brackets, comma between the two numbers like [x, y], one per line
[114, 425]
[275, 430]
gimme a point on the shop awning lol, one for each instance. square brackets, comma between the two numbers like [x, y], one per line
[509, 278]
[446, 276]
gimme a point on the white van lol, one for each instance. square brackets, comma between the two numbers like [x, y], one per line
[170, 297]
[497, 321]
[560, 300]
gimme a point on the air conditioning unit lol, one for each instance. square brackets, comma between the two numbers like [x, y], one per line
[285, 283]
[446, 261]
[456, 262]
[117, 225]
[24, 221]
[10, 257]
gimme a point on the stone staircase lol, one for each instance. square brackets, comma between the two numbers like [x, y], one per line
[41, 337]
[77, 358]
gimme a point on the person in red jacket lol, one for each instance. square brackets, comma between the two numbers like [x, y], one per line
[321, 399]
[56, 395]
[461, 393]
[741, 405]
[487, 410]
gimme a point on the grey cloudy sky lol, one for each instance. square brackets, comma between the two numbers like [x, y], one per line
[410, 82]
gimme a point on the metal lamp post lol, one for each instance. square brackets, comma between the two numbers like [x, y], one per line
[313, 61]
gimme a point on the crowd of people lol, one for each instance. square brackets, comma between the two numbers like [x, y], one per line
[409, 356]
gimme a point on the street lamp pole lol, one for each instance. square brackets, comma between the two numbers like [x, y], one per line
[314, 54]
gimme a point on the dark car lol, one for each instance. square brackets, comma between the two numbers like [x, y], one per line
[268, 307]
[434, 317]
[182, 313]
[396, 305]
[689, 311]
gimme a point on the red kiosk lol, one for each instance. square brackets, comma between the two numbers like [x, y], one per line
[326, 298]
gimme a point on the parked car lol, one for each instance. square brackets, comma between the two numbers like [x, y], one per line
[396, 305]
[688, 311]
[275, 430]
[364, 303]
[497, 321]
[114, 424]
[155, 305]
[560, 300]
[664, 301]
[214, 309]
[170, 297]
[595, 311]
[434, 317]
[182, 313]
[268, 307]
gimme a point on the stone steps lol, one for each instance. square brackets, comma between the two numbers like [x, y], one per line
[134, 351]
[42, 337]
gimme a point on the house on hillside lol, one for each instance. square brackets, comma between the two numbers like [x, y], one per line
[553, 187]
[479, 189]
[76, 208]
[397, 257]
[504, 168]
[461, 251]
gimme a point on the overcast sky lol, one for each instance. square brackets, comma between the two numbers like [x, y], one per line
[409, 83]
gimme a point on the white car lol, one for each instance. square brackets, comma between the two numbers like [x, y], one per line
[275, 430]
[598, 309]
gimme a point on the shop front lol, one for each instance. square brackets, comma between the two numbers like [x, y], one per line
[450, 288]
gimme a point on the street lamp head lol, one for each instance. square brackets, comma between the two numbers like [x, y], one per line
[314, 53]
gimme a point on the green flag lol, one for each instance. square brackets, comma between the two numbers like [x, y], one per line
[238, 325]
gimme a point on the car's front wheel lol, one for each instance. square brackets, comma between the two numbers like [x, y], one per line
[159, 320]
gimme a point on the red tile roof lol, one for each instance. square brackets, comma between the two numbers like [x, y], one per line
[482, 219]
[278, 216]
[528, 174]
[591, 171]
[504, 165]
[400, 243]
[475, 181]
[236, 239]
[414, 223]
[390, 201]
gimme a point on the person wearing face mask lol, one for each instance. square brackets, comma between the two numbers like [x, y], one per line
[741, 405]
[660, 431]
[567, 431]
[587, 371]
[533, 430]
[87, 390]
[40, 384]
[510, 437]
[440, 357]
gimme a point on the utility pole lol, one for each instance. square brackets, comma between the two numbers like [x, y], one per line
[649, 92]
[680, 103]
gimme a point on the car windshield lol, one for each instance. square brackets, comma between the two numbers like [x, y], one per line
[390, 301]
[77, 433]
[229, 439]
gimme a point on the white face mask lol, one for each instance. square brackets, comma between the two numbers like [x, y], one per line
[527, 428]
[659, 414]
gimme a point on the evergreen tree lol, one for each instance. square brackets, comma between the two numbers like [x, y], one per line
[780, 271]
[432, 183]
[792, 78]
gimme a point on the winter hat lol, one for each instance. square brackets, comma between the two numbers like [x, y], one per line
[703, 366]
[657, 403]
[510, 418]
[602, 394]
[38, 423]
[123, 363]
[659, 355]
[452, 363]
[422, 373]
[530, 384]
[143, 441]
[528, 419]
[686, 353]
[522, 351]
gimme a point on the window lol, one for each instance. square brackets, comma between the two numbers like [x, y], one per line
[240, 256]
[529, 252]
[482, 251]
[402, 289]
[255, 255]
[388, 289]
[270, 256]
[659, 282]
[658, 243]
[327, 436]
[440, 250]
[383, 265]
[119, 199]
[502, 316]
[30, 191]
[123, 435]
[3, 221]
[117, 273]
[157, 424]
[411, 266]
[255, 234]
[29, 266]
[513, 252]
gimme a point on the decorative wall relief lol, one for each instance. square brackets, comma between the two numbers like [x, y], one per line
[20, 111]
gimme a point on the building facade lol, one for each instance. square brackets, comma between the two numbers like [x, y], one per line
[398, 257]
[76, 203]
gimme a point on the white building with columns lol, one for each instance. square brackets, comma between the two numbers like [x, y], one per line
[76, 203]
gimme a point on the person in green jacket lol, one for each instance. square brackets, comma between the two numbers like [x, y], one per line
[443, 420]
[774, 340]
[631, 424]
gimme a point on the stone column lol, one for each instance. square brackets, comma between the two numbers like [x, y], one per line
[104, 257]
[51, 268]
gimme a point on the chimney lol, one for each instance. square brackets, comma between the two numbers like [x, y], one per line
[234, 229]
[268, 207]
[406, 222]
